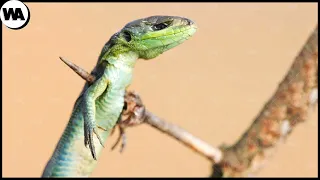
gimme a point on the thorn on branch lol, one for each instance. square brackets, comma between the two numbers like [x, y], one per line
[81, 72]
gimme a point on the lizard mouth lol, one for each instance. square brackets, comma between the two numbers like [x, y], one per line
[170, 37]
[189, 28]
[180, 35]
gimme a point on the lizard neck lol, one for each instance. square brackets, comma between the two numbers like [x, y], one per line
[119, 69]
[124, 61]
[119, 56]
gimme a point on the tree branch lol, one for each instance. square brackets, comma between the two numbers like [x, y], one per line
[290, 105]
[201, 147]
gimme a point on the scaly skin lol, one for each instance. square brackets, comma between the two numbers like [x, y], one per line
[99, 105]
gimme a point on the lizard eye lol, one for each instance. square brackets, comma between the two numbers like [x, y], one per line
[160, 26]
[127, 36]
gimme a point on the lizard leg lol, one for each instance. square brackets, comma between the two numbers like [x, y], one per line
[122, 136]
[113, 130]
[132, 115]
[90, 127]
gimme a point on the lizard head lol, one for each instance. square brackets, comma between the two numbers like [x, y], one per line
[152, 36]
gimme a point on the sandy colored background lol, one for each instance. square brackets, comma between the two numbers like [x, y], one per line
[213, 85]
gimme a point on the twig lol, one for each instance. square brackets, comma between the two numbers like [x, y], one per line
[81, 72]
[290, 104]
[203, 148]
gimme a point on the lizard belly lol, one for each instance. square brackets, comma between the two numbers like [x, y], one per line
[71, 157]
[108, 109]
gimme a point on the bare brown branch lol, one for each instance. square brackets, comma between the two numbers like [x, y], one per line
[198, 145]
[290, 105]
[133, 100]
[81, 72]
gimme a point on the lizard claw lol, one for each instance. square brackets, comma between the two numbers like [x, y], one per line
[132, 114]
[113, 130]
[122, 136]
[88, 139]
[96, 133]
[101, 128]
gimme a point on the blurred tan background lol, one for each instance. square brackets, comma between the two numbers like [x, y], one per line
[213, 85]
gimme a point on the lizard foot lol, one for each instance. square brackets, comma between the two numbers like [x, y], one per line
[88, 138]
[122, 136]
[132, 114]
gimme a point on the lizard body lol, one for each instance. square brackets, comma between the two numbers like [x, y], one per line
[100, 103]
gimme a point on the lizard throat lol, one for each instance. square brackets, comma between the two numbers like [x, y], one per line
[125, 61]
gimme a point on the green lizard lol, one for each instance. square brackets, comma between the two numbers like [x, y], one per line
[100, 103]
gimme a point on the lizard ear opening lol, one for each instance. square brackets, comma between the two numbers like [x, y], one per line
[127, 36]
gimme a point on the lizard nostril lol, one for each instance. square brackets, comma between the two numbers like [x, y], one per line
[189, 22]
